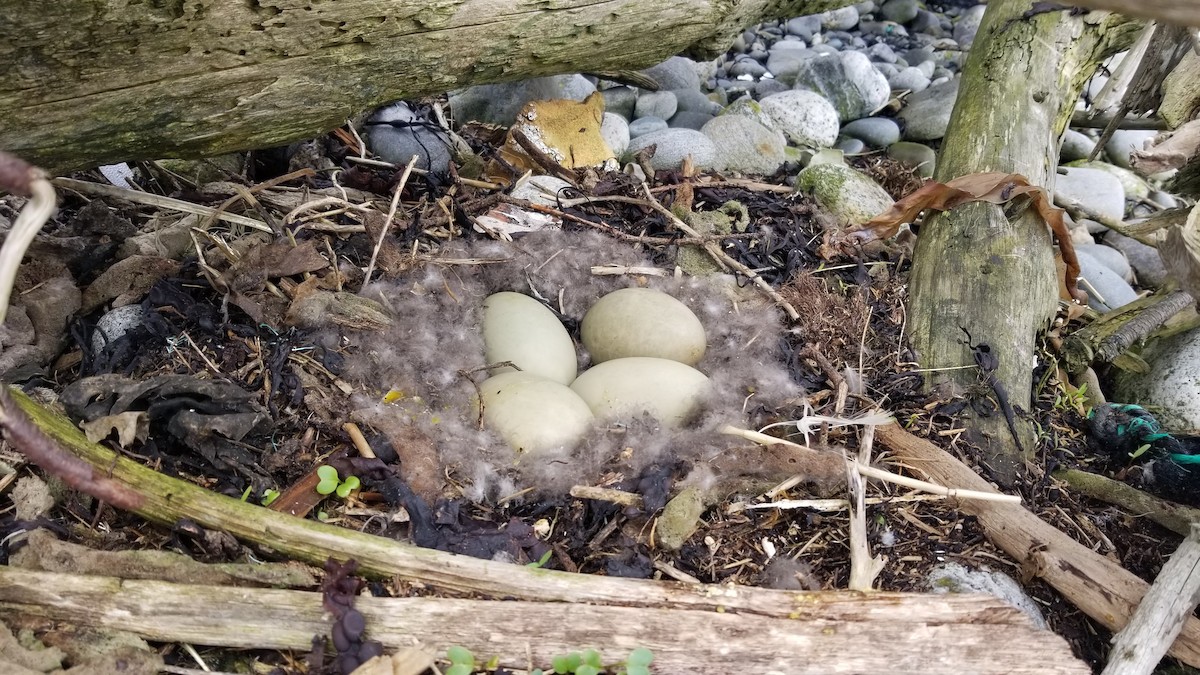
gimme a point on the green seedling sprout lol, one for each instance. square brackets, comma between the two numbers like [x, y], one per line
[541, 562]
[462, 661]
[329, 479]
[330, 483]
[349, 485]
[567, 663]
[639, 661]
[269, 496]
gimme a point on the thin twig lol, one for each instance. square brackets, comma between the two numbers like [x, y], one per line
[879, 474]
[359, 441]
[864, 567]
[614, 232]
[1080, 212]
[826, 504]
[619, 497]
[159, 201]
[720, 257]
[757, 186]
[485, 185]
[387, 223]
[542, 158]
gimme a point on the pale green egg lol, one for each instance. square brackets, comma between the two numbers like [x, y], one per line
[520, 329]
[533, 414]
[628, 387]
[642, 322]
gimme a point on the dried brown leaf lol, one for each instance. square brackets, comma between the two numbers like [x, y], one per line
[130, 426]
[991, 187]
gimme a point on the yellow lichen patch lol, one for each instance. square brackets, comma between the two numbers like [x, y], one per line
[566, 132]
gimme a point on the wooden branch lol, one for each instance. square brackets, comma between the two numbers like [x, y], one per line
[983, 636]
[1140, 645]
[166, 500]
[796, 623]
[1102, 589]
[1185, 12]
[1112, 334]
[1082, 119]
[1175, 517]
[96, 81]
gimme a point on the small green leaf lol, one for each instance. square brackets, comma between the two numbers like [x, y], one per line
[329, 479]
[640, 657]
[246, 492]
[591, 657]
[459, 654]
[541, 561]
[322, 516]
[1139, 452]
[587, 669]
[269, 497]
[349, 485]
[460, 669]
[567, 663]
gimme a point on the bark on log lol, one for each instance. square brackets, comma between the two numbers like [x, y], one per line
[1099, 587]
[1140, 645]
[1185, 12]
[798, 623]
[978, 267]
[96, 81]
[986, 637]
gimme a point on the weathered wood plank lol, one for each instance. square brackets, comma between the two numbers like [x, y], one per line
[871, 633]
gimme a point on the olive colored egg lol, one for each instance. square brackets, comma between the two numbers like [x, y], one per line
[532, 413]
[642, 322]
[669, 390]
[520, 329]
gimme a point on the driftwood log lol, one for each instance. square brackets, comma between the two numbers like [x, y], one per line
[691, 627]
[1099, 587]
[982, 268]
[839, 632]
[1140, 645]
[89, 82]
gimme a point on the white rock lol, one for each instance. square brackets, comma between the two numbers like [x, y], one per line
[952, 577]
[804, 117]
[1096, 189]
[1173, 383]
[743, 144]
[853, 198]
[543, 189]
[615, 131]
[674, 145]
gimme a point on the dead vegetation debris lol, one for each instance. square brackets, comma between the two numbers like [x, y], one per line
[249, 355]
